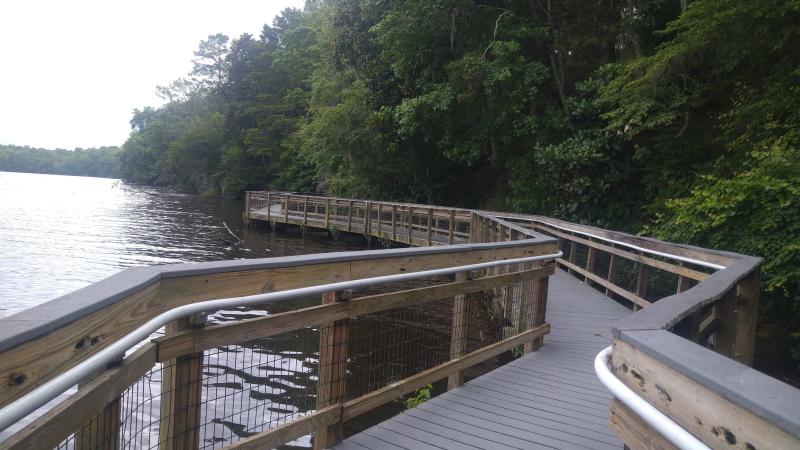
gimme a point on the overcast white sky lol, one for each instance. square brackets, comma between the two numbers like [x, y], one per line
[72, 71]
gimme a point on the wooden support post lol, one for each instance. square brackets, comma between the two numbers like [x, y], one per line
[611, 266]
[286, 209]
[641, 283]
[573, 247]
[748, 293]
[102, 431]
[181, 384]
[332, 380]
[410, 223]
[539, 310]
[269, 208]
[430, 226]
[328, 213]
[458, 336]
[451, 226]
[246, 207]
[305, 210]
[737, 312]
[367, 218]
[350, 216]
[590, 258]
[683, 284]
[394, 222]
[380, 218]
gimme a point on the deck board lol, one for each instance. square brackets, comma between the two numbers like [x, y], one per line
[547, 399]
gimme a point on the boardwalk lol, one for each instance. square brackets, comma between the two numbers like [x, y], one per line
[547, 399]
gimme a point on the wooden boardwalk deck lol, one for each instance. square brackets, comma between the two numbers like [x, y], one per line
[547, 399]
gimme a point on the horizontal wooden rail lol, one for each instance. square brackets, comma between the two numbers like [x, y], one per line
[51, 428]
[372, 400]
[652, 262]
[201, 339]
[607, 284]
[290, 431]
[34, 347]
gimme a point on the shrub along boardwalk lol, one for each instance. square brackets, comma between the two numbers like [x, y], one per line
[547, 399]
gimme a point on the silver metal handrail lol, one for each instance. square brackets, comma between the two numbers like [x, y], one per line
[624, 244]
[35, 399]
[655, 418]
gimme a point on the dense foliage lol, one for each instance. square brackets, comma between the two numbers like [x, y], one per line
[676, 118]
[92, 162]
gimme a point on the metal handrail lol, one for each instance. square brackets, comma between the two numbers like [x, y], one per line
[624, 244]
[655, 418]
[38, 397]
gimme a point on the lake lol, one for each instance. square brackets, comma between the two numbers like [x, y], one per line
[60, 233]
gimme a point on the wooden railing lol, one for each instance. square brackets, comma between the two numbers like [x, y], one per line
[418, 225]
[688, 346]
[43, 342]
[686, 349]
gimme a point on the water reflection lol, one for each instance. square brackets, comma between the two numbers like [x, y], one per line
[61, 233]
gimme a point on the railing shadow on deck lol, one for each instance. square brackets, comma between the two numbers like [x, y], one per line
[686, 349]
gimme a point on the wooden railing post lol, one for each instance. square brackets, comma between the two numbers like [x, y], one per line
[327, 212]
[102, 431]
[269, 208]
[367, 218]
[738, 312]
[332, 380]
[748, 293]
[350, 216]
[538, 310]
[305, 210]
[410, 223]
[394, 222]
[642, 279]
[590, 258]
[286, 209]
[430, 226]
[458, 336]
[451, 226]
[611, 266]
[246, 207]
[181, 384]
[380, 219]
[573, 247]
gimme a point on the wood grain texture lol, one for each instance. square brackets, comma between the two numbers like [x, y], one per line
[708, 416]
[635, 432]
[67, 417]
[289, 431]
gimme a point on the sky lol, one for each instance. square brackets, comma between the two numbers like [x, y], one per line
[73, 71]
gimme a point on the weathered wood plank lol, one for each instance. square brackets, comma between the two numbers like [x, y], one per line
[289, 431]
[704, 413]
[49, 429]
[250, 329]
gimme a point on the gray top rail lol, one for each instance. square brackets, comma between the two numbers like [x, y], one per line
[46, 317]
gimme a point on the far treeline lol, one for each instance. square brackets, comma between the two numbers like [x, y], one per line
[678, 119]
[91, 162]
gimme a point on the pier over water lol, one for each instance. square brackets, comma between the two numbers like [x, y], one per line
[498, 315]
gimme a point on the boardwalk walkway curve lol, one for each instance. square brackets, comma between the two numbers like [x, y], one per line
[681, 321]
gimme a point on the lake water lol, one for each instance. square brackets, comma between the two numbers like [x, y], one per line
[60, 233]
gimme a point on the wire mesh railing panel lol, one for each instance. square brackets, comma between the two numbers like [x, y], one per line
[388, 346]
